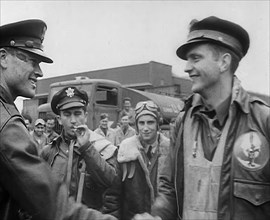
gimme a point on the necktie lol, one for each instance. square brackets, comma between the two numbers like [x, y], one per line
[149, 152]
[69, 165]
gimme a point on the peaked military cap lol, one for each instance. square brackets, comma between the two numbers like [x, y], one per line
[68, 97]
[217, 31]
[26, 35]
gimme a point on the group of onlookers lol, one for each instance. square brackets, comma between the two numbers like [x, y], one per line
[42, 131]
[117, 135]
[118, 174]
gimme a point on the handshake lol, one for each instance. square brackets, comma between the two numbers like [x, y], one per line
[145, 216]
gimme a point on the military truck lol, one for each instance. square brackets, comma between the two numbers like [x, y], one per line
[106, 96]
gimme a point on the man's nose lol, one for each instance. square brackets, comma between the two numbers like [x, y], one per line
[145, 127]
[188, 67]
[73, 118]
[38, 71]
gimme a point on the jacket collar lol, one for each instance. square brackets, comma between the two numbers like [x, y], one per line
[239, 96]
[131, 150]
[5, 96]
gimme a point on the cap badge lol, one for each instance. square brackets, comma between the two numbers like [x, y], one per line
[12, 43]
[70, 92]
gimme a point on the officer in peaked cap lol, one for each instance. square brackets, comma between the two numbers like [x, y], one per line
[80, 156]
[217, 31]
[215, 128]
[67, 98]
[29, 190]
[25, 35]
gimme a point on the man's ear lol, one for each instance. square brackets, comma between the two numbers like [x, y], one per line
[226, 60]
[86, 114]
[59, 119]
[3, 56]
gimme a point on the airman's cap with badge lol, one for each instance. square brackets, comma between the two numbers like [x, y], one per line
[217, 31]
[68, 97]
[27, 35]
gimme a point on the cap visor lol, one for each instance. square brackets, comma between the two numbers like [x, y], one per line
[41, 122]
[183, 50]
[41, 55]
[71, 105]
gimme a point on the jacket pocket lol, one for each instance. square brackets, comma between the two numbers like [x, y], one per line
[256, 193]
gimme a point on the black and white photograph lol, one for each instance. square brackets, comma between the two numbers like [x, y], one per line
[134, 110]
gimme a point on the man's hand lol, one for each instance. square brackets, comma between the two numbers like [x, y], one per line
[145, 216]
[83, 134]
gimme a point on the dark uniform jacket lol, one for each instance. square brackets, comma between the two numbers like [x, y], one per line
[26, 182]
[101, 168]
[244, 191]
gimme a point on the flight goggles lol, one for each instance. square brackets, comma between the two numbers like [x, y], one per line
[146, 107]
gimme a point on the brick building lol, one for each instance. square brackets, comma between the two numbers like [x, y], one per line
[151, 77]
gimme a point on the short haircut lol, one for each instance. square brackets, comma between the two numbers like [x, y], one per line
[218, 50]
[49, 117]
[103, 116]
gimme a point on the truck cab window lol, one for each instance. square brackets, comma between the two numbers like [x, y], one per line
[106, 95]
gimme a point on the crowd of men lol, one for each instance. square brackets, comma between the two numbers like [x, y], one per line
[43, 130]
[215, 165]
[136, 154]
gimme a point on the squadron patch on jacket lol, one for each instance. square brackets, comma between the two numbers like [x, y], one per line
[252, 151]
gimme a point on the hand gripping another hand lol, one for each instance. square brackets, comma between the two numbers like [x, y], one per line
[145, 216]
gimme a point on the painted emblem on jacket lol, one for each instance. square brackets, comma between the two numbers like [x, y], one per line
[251, 150]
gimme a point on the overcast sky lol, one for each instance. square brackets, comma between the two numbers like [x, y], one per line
[92, 35]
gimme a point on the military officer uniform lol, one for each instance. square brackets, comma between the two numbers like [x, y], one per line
[92, 171]
[28, 189]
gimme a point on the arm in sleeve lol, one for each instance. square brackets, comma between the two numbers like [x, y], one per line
[165, 205]
[112, 196]
[29, 181]
[103, 171]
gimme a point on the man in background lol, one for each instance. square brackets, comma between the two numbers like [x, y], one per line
[127, 109]
[141, 158]
[87, 174]
[49, 131]
[124, 130]
[38, 134]
[104, 130]
[28, 121]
